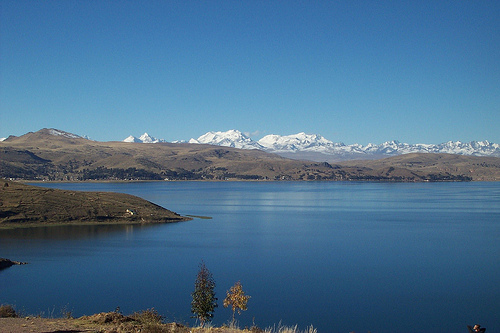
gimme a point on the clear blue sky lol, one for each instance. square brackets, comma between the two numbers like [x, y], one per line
[352, 71]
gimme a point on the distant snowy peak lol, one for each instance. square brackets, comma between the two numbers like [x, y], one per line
[316, 147]
[231, 138]
[145, 138]
[479, 148]
[297, 142]
[300, 143]
[132, 138]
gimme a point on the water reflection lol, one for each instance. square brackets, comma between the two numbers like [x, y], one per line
[344, 257]
[69, 232]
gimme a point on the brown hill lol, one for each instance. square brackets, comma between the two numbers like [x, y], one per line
[433, 165]
[22, 204]
[56, 155]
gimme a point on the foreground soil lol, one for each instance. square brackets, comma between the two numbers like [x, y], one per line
[42, 325]
[101, 323]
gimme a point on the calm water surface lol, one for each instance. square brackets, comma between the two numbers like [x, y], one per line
[342, 256]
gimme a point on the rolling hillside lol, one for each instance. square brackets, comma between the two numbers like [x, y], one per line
[477, 168]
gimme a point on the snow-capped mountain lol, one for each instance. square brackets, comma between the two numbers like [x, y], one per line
[317, 148]
[231, 138]
[145, 138]
[297, 142]
[132, 138]
[476, 148]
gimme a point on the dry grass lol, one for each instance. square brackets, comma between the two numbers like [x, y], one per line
[149, 321]
[289, 329]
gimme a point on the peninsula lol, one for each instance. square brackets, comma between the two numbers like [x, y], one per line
[5, 263]
[24, 205]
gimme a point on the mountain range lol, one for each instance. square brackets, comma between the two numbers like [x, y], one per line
[315, 147]
[51, 154]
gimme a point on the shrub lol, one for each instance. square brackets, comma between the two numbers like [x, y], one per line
[236, 299]
[7, 311]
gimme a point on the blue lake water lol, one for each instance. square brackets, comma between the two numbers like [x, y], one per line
[377, 257]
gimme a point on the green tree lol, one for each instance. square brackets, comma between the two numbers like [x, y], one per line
[236, 298]
[204, 301]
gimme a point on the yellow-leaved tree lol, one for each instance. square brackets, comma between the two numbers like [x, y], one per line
[236, 298]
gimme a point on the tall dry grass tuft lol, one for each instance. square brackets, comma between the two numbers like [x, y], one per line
[289, 329]
[149, 316]
[151, 320]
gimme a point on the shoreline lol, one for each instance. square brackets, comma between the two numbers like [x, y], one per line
[21, 225]
[390, 181]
